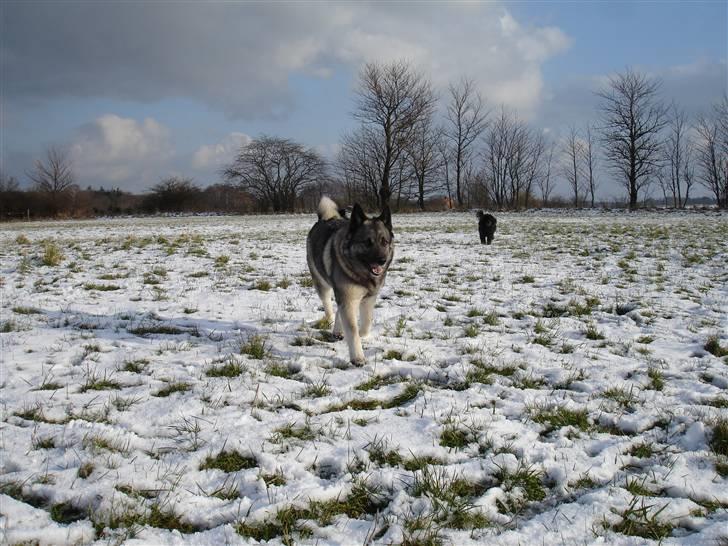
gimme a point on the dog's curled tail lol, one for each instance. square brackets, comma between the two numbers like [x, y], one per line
[327, 209]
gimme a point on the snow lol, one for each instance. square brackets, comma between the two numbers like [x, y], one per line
[567, 310]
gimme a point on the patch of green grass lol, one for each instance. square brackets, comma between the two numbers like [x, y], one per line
[198, 274]
[717, 402]
[491, 318]
[646, 339]
[135, 366]
[230, 368]
[523, 485]
[167, 519]
[24, 310]
[592, 333]
[229, 461]
[10, 325]
[719, 437]
[317, 390]
[95, 383]
[637, 487]
[527, 279]
[278, 369]
[471, 330]
[171, 388]
[657, 378]
[393, 354]
[275, 479]
[52, 254]
[303, 341]
[101, 287]
[556, 417]
[457, 437]
[641, 521]
[67, 512]
[408, 394]
[262, 285]
[377, 382]
[152, 329]
[623, 397]
[255, 346]
[304, 433]
[44, 443]
[713, 346]
[642, 450]
[222, 261]
[85, 470]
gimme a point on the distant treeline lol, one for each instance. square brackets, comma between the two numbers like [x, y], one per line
[410, 151]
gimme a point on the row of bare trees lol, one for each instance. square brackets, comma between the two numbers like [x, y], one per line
[408, 149]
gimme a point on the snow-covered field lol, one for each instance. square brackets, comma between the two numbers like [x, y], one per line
[163, 381]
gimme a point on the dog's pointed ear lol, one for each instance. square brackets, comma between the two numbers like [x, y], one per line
[386, 217]
[357, 218]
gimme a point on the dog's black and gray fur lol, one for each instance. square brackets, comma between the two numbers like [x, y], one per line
[486, 227]
[349, 258]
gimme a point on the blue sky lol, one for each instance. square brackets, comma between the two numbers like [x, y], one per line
[138, 91]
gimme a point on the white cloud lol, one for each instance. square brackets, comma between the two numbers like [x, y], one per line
[225, 55]
[216, 155]
[120, 151]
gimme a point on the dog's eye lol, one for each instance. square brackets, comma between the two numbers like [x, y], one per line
[383, 241]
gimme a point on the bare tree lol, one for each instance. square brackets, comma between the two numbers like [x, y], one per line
[55, 175]
[8, 183]
[466, 119]
[675, 177]
[173, 194]
[360, 163]
[545, 184]
[496, 158]
[711, 153]
[275, 170]
[571, 168]
[391, 100]
[590, 163]
[424, 158]
[512, 160]
[632, 119]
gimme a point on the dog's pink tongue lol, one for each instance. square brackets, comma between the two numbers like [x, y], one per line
[377, 269]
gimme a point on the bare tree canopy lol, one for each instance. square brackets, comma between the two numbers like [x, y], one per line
[676, 176]
[466, 119]
[391, 99]
[174, 193]
[512, 160]
[590, 162]
[572, 167]
[711, 152]
[424, 158]
[360, 164]
[632, 119]
[55, 175]
[275, 171]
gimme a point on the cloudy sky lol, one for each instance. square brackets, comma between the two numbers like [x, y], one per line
[140, 90]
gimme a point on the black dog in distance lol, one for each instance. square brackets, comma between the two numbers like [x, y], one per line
[486, 227]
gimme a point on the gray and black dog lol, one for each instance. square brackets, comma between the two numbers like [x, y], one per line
[486, 227]
[349, 258]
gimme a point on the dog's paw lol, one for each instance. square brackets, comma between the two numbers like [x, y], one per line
[364, 333]
[358, 362]
[337, 335]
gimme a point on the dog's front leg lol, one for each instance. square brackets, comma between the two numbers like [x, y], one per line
[366, 314]
[338, 332]
[348, 315]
